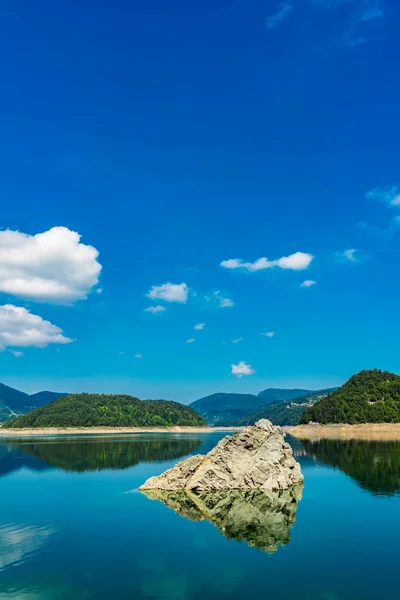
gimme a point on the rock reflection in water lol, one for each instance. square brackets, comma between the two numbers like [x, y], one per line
[261, 519]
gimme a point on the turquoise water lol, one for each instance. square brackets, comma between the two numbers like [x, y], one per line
[74, 526]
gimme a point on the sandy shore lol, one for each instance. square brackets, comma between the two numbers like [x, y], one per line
[73, 431]
[380, 432]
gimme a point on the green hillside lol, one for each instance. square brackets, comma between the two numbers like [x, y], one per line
[94, 410]
[285, 413]
[368, 397]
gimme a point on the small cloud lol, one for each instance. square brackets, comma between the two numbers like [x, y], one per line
[200, 326]
[269, 334]
[390, 195]
[155, 309]
[241, 369]
[237, 341]
[350, 254]
[297, 262]
[169, 292]
[273, 20]
[190, 340]
[99, 290]
[16, 353]
[308, 283]
[122, 353]
[138, 356]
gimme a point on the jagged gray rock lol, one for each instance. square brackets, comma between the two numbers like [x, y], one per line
[257, 458]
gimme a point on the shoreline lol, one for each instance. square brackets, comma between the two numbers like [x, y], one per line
[78, 431]
[378, 432]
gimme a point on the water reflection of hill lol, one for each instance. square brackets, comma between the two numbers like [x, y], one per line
[261, 519]
[13, 459]
[85, 454]
[374, 465]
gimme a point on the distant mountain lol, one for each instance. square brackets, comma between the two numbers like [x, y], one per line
[229, 409]
[14, 403]
[285, 413]
[273, 395]
[367, 397]
[12, 398]
[225, 409]
[101, 410]
[45, 397]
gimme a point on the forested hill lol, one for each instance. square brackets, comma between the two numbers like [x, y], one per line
[94, 410]
[368, 397]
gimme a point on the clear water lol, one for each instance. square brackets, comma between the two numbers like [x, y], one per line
[73, 526]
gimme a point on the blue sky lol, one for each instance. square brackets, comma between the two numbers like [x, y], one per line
[173, 137]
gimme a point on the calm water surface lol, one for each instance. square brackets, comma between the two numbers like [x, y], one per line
[73, 526]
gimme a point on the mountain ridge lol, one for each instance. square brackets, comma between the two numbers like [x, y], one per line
[226, 409]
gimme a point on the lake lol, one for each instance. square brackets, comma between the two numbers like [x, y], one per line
[73, 525]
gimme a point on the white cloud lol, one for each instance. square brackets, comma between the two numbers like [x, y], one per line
[200, 326]
[16, 353]
[191, 340]
[269, 334]
[273, 20]
[237, 341]
[350, 254]
[19, 327]
[389, 195]
[373, 12]
[222, 301]
[155, 309]
[242, 368]
[296, 262]
[99, 290]
[308, 283]
[169, 292]
[138, 356]
[47, 267]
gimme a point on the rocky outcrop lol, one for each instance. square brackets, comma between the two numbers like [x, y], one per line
[260, 518]
[257, 458]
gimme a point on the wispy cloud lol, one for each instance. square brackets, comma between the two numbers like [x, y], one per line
[277, 17]
[390, 195]
[237, 341]
[268, 334]
[218, 298]
[308, 283]
[352, 39]
[138, 356]
[200, 326]
[16, 353]
[190, 340]
[241, 369]
[296, 262]
[349, 255]
[370, 13]
[155, 309]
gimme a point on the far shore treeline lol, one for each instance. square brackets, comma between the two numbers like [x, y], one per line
[100, 410]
